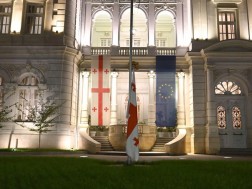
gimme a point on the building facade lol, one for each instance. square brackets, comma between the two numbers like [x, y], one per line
[47, 49]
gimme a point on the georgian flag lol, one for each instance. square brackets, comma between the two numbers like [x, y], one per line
[100, 103]
[132, 143]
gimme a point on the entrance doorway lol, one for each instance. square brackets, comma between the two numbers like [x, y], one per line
[231, 122]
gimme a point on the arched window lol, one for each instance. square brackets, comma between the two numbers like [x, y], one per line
[140, 29]
[227, 88]
[101, 30]
[28, 96]
[236, 117]
[221, 117]
[165, 30]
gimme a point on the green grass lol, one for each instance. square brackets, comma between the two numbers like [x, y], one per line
[71, 173]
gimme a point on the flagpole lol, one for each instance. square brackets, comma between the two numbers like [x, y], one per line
[130, 58]
[131, 42]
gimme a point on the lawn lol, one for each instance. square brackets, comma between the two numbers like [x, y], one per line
[71, 173]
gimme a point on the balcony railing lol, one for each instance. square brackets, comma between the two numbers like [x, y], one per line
[136, 51]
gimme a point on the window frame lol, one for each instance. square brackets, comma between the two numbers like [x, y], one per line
[33, 15]
[4, 15]
[226, 23]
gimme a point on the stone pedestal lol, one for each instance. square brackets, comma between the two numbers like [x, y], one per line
[118, 137]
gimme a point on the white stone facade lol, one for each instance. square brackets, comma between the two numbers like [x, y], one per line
[46, 45]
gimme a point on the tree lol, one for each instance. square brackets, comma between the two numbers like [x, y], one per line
[5, 110]
[42, 116]
[4, 115]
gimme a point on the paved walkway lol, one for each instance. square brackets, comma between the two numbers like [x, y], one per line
[121, 157]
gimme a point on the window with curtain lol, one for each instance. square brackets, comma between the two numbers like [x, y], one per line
[34, 18]
[227, 25]
[5, 18]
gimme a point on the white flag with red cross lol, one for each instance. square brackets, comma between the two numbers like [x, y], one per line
[100, 103]
[132, 144]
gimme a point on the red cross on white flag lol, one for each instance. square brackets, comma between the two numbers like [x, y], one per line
[132, 144]
[100, 103]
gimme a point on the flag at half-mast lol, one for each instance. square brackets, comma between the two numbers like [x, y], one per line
[100, 103]
[132, 144]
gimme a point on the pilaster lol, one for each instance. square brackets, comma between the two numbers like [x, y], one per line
[113, 113]
[151, 106]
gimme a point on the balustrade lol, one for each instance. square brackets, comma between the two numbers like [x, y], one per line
[136, 51]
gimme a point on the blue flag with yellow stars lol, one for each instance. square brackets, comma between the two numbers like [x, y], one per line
[166, 112]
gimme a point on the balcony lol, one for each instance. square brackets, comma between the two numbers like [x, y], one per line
[136, 51]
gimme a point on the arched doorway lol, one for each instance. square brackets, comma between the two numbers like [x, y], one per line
[230, 111]
[140, 29]
[165, 30]
[101, 30]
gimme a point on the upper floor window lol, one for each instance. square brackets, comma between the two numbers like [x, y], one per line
[34, 18]
[165, 30]
[105, 42]
[5, 18]
[227, 25]
[135, 43]
[160, 42]
[101, 29]
[227, 88]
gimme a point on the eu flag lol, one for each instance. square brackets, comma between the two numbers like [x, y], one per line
[166, 113]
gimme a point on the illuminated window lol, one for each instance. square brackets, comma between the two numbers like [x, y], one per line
[28, 96]
[227, 88]
[160, 42]
[5, 18]
[221, 117]
[236, 116]
[34, 18]
[136, 43]
[105, 42]
[227, 25]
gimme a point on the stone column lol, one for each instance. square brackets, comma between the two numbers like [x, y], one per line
[17, 16]
[151, 24]
[84, 98]
[87, 28]
[113, 116]
[212, 139]
[116, 23]
[179, 25]
[70, 27]
[151, 107]
[211, 113]
[181, 100]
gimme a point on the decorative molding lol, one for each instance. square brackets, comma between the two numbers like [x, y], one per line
[103, 1]
[166, 7]
[227, 1]
[102, 7]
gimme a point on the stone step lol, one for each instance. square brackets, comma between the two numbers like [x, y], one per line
[105, 144]
[159, 144]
